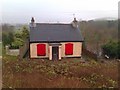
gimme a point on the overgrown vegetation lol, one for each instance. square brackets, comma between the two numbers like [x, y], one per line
[67, 73]
[112, 49]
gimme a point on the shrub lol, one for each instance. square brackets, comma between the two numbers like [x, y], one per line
[112, 49]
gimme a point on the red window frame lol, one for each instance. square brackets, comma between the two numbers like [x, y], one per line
[41, 50]
[69, 49]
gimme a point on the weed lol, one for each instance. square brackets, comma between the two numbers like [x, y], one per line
[63, 74]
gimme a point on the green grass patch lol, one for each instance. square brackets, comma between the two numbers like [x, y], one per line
[9, 58]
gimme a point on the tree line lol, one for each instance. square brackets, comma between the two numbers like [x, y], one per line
[12, 37]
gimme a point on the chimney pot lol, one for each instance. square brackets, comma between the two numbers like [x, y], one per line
[75, 23]
[32, 24]
[32, 20]
[75, 20]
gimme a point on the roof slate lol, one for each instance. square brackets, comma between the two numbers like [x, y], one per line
[44, 32]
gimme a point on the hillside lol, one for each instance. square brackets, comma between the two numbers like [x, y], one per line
[97, 33]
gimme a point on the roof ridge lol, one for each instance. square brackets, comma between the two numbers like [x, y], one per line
[53, 23]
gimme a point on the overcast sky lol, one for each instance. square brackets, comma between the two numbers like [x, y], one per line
[21, 11]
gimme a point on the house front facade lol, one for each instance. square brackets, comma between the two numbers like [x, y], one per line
[55, 41]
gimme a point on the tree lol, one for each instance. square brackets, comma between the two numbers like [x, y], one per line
[7, 38]
[18, 34]
[10, 38]
[17, 43]
[4, 39]
[25, 33]
[20, 37]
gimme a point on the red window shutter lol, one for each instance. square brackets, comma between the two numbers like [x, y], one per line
[69, 49]
[41, 49]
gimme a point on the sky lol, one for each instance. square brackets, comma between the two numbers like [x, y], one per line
[44, 11]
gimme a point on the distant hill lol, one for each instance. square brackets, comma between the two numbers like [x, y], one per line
[105, 18]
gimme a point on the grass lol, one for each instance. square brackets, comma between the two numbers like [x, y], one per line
[67, 73]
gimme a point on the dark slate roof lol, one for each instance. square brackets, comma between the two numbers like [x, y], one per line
[54, 33]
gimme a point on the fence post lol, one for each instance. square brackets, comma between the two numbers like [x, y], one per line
[7, 49]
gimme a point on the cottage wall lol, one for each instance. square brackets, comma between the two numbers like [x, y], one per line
[33, 50]
[77, 50]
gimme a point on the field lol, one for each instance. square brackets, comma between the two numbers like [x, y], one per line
[67, 73]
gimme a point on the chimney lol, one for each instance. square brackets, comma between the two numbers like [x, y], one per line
[75, 23]
[32, 23]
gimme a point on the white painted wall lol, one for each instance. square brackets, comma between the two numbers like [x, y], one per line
[77, 50]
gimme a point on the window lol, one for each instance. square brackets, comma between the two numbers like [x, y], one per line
[69, 49]
[41, 49]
